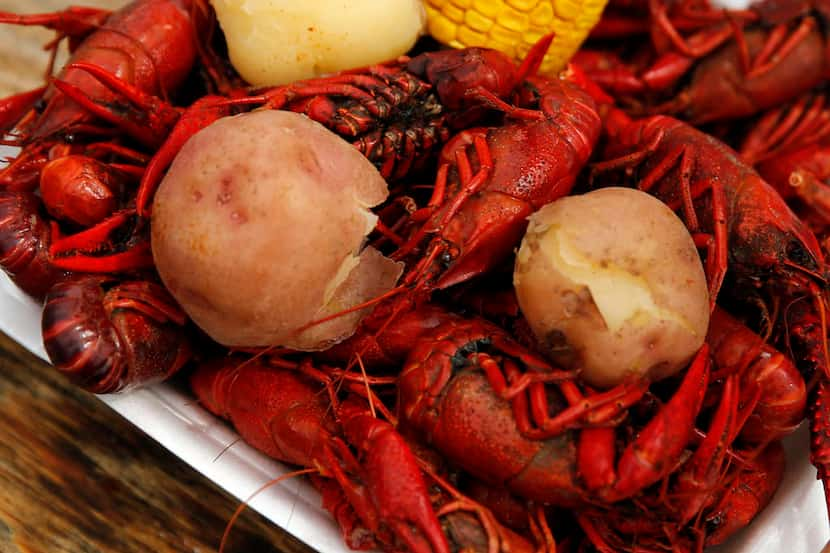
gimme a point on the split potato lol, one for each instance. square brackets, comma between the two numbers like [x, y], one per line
[258, 230]
[274, 42]
[612, 284]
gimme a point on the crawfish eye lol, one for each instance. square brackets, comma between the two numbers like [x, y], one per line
[798, 254]
[39, 105]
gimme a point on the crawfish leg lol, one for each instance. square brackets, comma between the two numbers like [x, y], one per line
[75, 22]
[787, 128]
[392, 480]
[470, 183]
[716, 244]
[772, 53]
[697, 45]
[143, 116]
[528, 397]
[15, 107]
[699, 475]
[660, 443]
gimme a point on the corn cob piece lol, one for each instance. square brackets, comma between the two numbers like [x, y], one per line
[513, 26]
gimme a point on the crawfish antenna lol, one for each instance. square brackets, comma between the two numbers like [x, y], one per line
[244, 504]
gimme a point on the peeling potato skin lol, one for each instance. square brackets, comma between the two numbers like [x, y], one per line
[611, 283]
[257, 224]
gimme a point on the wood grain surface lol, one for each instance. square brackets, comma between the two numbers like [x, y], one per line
[77, 478]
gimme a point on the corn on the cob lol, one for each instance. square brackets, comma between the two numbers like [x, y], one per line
[513, 26]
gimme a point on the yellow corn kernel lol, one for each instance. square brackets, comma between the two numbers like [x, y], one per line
[514, 25]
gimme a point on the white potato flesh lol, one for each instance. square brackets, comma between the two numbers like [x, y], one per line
[612, 284]
[274, 42]
[258, 228]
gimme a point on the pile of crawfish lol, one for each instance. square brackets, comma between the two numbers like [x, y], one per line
[439, 425]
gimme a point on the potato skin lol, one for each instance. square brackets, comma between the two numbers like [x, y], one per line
[611, 283]
[259, 220]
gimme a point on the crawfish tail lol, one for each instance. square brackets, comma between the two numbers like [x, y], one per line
[747, 494]
[783, 393]
[279, 412]
[24, 243]
[95, 336]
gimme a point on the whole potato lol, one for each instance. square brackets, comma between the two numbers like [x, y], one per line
[258, 228]
[611, 283]
[273, 42]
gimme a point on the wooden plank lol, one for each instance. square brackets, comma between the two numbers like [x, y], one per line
[77, 478]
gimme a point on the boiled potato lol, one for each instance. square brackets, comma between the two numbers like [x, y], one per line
[273, 42]
[612, 284]
[258, 229]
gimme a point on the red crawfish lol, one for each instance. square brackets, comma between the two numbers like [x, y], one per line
[741, 493]
[506, 417]
[489, 181]
[36, 254]
[773, 394]
[149, 44]
[739, 64]
[743, 223]
[730, 210]
[398, 115]
[80, 184]
[372, 481]
[790, 148]
[109, 336]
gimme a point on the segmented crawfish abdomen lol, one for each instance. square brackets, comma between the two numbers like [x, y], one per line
[24, 243]
[783, 392]
[747, 494]
[78, 336]
[95, 336]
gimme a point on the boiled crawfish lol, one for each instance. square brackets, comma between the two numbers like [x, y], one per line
[466, 376]
[734, 65]
[381, 488]
[150, 44]
[773, 258]
[109, 336]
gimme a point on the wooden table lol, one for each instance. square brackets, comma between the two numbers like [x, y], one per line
[75, 477]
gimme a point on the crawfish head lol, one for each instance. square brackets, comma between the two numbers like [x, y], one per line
[769, 244]
[455, 73]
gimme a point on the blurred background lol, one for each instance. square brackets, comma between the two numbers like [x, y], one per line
[22, 57]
